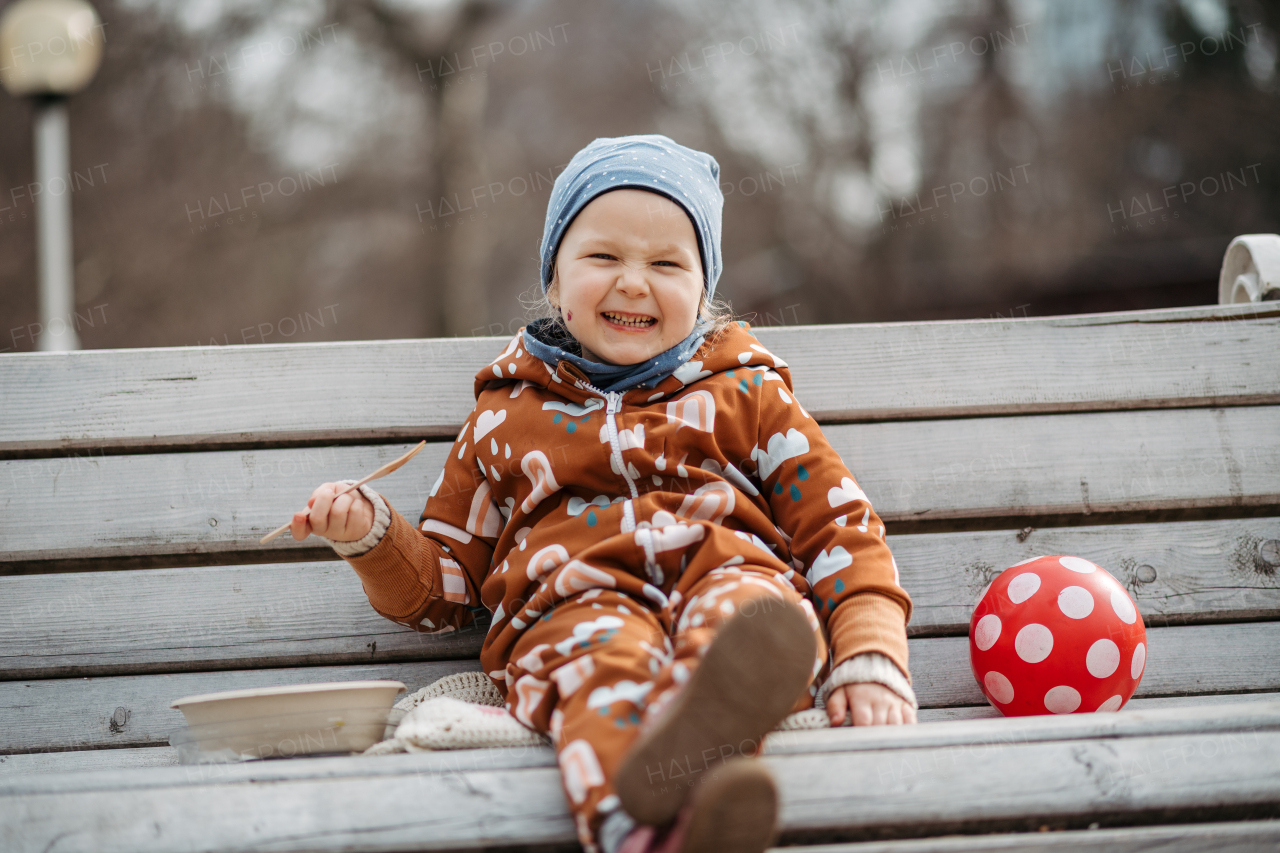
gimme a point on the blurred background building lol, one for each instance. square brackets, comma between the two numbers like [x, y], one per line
[247, 172]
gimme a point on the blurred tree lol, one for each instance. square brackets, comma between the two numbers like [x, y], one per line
[439, 44]
[881, 160]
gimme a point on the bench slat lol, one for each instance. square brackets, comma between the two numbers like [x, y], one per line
[72, 714]
[1225, 837]
[210, 396]
[87, 760]
[1203, 570]
[982, 712]
[76, 714]
[295, 614]
[25, 764]
[1069, 465]
[1024, 786]
[132, 622]
[91, 760]
[1181, 660]
[997, 733]
[411, 810]
[1196, 715]
[377, 803]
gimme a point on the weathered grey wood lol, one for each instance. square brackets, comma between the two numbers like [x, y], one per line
[288, 770]
[1068, 464]
[998, 733]
[1177, 572]
[410, 810]
[292, 614]
[1225, 837]
[53, 714]
[187, 503]
[1210, 717]
[982, 712]
[406, 803]
[84, 713]
[83, 761]
[222, 617]
[25, 764]
[210, 396]
[1181, 660]
[1023, 786]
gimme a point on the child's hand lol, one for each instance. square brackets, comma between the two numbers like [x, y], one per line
[869, 704]
[345, 519]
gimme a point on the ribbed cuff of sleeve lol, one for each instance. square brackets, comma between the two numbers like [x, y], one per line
[869, 622]
[381, 521]
[872, 667]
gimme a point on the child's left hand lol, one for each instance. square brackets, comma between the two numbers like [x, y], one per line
[869, 704]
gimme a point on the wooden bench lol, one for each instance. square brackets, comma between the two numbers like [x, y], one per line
[135, 483]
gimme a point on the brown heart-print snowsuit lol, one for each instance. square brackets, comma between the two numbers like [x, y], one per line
[609, 534]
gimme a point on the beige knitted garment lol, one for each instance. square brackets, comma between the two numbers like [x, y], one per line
[465, 711]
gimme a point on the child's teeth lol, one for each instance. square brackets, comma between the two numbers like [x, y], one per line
[625, 321]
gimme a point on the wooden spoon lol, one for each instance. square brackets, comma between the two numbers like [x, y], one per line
[381, 472]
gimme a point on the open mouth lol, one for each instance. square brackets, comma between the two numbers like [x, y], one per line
[631, 321]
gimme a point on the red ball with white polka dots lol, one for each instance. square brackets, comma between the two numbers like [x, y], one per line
[1056, 635]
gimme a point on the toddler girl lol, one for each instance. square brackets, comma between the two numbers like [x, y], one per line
[673, 555]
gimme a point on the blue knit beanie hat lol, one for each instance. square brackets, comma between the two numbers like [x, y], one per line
[651, 162]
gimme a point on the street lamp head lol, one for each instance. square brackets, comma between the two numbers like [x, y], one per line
[49, 47]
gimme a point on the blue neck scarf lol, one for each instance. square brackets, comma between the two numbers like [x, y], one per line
[541, 340]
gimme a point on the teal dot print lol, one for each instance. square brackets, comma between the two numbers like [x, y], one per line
[795, 492]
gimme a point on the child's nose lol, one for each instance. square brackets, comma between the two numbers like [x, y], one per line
[631, 280]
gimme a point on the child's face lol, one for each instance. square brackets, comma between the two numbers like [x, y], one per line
[629, 276]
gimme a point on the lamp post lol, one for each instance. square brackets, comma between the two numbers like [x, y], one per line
[49, 50]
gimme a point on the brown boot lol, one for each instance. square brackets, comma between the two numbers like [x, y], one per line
[759, 664]
[735, 810]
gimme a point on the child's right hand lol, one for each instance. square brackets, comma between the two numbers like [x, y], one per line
[345, 519]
